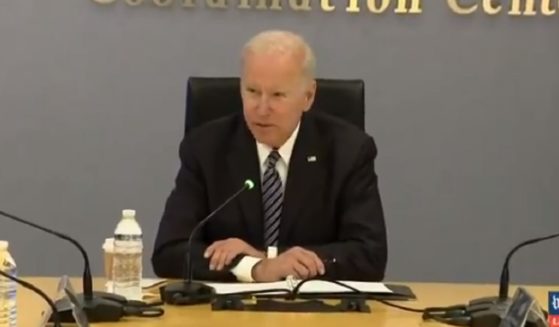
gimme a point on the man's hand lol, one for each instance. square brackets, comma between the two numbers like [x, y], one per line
[296, 261]
[224, 251]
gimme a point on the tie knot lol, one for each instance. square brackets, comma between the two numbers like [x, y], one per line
[273, 158]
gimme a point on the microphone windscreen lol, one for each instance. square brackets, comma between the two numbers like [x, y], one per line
[249, 184]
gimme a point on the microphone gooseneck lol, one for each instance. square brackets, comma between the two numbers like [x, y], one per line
[187, 292]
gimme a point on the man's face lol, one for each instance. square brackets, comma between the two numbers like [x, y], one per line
[275, 94]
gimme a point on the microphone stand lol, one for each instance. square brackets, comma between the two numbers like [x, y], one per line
[486, 311]
[98, 306]
[187, 292]
[504, 281]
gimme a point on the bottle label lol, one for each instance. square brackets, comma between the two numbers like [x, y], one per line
[128, 237]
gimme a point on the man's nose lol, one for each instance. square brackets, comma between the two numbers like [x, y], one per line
[263, 106]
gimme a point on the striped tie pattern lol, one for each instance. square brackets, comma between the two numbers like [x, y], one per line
[272, 199]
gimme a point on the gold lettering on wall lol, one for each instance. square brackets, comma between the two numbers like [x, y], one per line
[414, 8]
[261, 4]
[461, 10]
[490, 8]
[300, 5]
[326, 6]
[372, 4]
[352, 6]
[546, 8]
[529, 9]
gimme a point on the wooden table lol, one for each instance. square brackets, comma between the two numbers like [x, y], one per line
[429, 294]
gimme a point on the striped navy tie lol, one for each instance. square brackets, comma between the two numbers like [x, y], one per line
[272, 199]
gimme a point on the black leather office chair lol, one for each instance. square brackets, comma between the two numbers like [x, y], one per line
[209, 98]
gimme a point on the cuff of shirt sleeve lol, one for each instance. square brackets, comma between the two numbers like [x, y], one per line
[243, 270]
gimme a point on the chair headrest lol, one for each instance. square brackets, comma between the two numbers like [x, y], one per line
[209, 98]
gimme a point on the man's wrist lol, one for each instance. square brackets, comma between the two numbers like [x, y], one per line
[257, 271]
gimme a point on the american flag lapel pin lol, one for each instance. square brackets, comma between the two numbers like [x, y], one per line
[311, 159]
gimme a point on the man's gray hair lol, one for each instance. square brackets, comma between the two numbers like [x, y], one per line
[283, 42]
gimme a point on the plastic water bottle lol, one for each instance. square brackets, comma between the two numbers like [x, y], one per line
[8, 309]
[127, 259]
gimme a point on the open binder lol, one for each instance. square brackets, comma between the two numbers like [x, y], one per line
[304, 295]
[316, 287]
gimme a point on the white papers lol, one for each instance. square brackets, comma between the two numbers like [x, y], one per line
[233, 288]
[320, 286]
[314, 286]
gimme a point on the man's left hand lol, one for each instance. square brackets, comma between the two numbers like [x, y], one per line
[221, 253]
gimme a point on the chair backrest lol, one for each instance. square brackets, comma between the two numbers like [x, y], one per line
[209, 98]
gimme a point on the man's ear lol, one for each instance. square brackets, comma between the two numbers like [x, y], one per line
[310, 94]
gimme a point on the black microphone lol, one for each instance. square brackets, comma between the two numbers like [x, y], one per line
[98, 306]
[504, 281]
[486, 311]
[188, 292]
[37, 291]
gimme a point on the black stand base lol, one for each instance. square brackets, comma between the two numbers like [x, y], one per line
[186, 293]
[484, 312]
[487, 300]
[354, 305]
[235, 303]
[102, 307]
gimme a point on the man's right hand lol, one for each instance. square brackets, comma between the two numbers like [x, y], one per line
[297, 262]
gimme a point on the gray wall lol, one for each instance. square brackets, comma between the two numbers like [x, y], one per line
[464, 111]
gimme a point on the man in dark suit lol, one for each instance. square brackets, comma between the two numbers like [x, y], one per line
[315, 209]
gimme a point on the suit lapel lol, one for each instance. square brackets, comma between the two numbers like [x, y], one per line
[306, 175]
[243, 164]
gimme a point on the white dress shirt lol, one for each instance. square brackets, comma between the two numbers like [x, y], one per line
[243, 270]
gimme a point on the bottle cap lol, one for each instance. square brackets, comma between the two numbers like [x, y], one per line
[4, 245]
[128, 213]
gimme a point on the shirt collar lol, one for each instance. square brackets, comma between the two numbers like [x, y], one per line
[285, 150]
